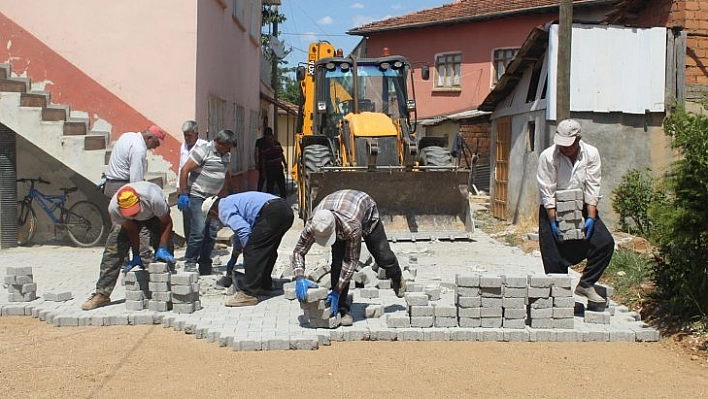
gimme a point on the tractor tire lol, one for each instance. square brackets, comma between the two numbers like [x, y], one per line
[316, 157]
[435, 156]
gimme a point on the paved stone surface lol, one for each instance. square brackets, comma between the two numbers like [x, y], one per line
[277, 323]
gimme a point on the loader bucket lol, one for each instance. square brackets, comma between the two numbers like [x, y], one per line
[414, 205]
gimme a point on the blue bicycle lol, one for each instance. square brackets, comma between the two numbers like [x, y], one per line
[83, 221]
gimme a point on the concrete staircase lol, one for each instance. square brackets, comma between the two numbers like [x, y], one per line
[65, 134]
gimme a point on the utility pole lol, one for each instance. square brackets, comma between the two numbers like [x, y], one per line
[274, 72]
[565, 32]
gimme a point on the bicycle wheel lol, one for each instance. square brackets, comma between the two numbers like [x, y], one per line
[26, 223]
[84, 223]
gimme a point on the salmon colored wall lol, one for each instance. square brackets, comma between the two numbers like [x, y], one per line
[476, 42]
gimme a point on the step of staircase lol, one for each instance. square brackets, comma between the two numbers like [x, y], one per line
[96, 140]
[75, 128]
[14, 85]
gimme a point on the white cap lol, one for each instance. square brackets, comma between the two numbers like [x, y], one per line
[207, 204]
[566, 132]
[324, 227]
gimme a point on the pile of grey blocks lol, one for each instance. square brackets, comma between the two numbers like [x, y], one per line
[317, 312]
[20, 284]
[185, 293]
[160, 287]
[569, 214]
[137, 292]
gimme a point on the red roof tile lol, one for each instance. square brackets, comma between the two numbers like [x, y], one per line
[462, 10]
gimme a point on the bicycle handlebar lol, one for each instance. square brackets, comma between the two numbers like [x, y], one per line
[29, 179]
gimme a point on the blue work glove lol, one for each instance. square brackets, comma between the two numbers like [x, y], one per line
[589, 227]
[183, 202]
[556, 231]
[136, 261]
[163, 255]
[301, 286]
[333, 301]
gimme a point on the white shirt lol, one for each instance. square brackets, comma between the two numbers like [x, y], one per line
[128, 158]
[556, 172]
[152, 203]
[184, 154]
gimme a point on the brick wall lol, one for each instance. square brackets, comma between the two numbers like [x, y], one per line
[478, 132]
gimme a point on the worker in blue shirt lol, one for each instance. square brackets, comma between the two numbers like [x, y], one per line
[259, 222]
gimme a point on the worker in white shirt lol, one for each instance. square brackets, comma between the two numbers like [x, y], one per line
[129, 158]
[568, 164]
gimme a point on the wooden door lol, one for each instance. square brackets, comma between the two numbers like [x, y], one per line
[501, 168]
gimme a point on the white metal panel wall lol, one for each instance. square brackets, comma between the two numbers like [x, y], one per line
[613, 69]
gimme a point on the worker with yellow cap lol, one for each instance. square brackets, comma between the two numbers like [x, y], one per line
[135, 206]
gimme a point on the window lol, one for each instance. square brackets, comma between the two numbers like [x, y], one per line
[447, 70]
[217, 109]
[502, 58]
[256, 15]
[239, 12]
[531, 137]
[239, 127]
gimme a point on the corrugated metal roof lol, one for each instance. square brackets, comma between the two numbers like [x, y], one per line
[466, 10]
[455, 117]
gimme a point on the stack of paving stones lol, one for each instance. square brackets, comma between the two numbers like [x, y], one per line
[160, 287]
[317, 313]
[185, 292]
[137, 291]
[551, 302]
[20, 284]
[569, 214]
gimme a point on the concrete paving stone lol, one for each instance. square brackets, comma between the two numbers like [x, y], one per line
[597, 317]
[410, 334]
[183, 278]
[469, 291]
[467, 280]
[368, 293]
[444, 310]
[398, 320]
[558, 292]
[545, 313]
[14, 310]
[18, 270]
[416, 299]
[383, 334]
[421, 311]
[158, 267]
[66, 321]
[491, 312]
[422, 321]
[22, 280]
[336, 335]
[568, 323]
[469, 312]
[541, 323]
[184, 308]
[492, 335]
[491, 303]
[445, 322]
[516, 335]
[247, 344]
[622, 336]
[536, 292]
[374, 311]
[645, 333]
[184, 289]
[9, 279]
[469, 322]
[469, 302]
[563, 313]
[564, 302]
[132, 305]
[492, 322]
[514, 313]
[568, 336]
[513, 323]
[542, 335]
[436, 334]
[490, 281]
[515, 281]
[316, 294]
[512, 292]
[540, 281]
[513, 303]
[355, 333]
[158, 287]
[491, 292]
[433, 292]
[304, 343]
[226, 339]
[119, 320]
[57, 297]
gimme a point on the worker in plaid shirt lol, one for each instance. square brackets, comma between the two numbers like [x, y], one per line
[341, 220]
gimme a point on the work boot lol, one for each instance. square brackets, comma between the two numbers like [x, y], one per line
[241, 299]
[590, 294]
[96, 300]
[190, 268]
[225, 281]
[347, 319]
[399, 287]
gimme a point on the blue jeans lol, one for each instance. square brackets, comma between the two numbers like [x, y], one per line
[201, 236]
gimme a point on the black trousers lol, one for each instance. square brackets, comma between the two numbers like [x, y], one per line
[557, 256]
[261, 250]
[377, 244]
[276, 176]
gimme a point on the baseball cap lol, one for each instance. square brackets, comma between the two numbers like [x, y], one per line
[207, 204]
[566, 132]
[128, 201]
[324, 227]
[157, 132]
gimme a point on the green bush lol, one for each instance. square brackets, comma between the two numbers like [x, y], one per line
[629, 274]
[631, 200]
[680, 219]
